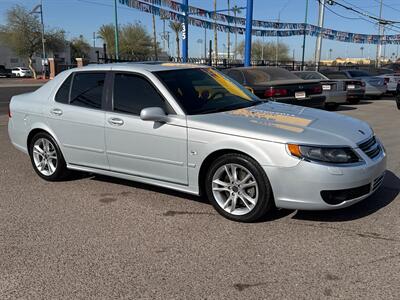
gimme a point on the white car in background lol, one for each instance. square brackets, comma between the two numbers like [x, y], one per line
[391, 80]
[21, 72]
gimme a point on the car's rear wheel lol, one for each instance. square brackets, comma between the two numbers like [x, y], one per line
[354, 100]
[331, 106]
[238, 188]
[46, 157]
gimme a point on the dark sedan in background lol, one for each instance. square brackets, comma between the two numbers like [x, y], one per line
[334, 90]
[279, 85]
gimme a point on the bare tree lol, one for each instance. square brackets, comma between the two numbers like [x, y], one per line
[22, 33]
[177, 28]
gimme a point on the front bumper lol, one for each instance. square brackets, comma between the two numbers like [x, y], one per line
[300, 187]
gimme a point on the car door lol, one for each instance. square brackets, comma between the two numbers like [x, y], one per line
[144, 148]
[77, 119]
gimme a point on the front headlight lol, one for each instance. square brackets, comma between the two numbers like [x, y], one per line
[322, 154]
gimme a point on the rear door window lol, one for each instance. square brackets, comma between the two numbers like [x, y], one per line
[87, 89]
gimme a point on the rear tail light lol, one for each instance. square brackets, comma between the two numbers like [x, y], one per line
[386, 80]
[316, 89]
[273, 92]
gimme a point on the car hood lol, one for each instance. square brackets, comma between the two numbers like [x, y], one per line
[285, 123]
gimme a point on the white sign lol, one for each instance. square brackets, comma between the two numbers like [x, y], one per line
[183, 31]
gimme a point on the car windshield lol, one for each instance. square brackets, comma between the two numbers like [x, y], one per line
[256, 76]
[310, 75]
[205, 90]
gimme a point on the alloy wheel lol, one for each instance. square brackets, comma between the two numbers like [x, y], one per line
[45, 157]
[235, 189]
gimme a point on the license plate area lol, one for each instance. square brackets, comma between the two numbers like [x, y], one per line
[300, 95]
[351, 87]
[326, 87]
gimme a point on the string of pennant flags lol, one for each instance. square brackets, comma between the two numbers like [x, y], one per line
[198, 17]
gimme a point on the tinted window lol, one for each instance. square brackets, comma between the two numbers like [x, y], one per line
[205, 90]
[335, 75]
[132, 93]
[310, 75]
[87, 89]
[359, 74]
[236, 75]
[263, 75]
[62, 95]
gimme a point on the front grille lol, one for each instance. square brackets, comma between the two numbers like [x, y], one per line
[371, 147]
[335, 197]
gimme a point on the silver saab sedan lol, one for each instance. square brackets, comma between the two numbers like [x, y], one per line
[192, 129]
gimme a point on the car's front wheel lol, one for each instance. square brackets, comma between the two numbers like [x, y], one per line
[238, 188]
[46, 157]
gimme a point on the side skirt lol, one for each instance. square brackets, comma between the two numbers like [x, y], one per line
[168, 185]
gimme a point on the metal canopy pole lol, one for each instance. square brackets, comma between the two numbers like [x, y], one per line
[249, 29]
[304, 37]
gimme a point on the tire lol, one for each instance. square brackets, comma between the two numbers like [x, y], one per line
[226, 191]
[44, 152]
[331, 106]
[353, 100]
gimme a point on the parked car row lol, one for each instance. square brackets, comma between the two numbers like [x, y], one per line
[15, 72]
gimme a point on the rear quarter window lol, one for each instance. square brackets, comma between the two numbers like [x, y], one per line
[62, 95]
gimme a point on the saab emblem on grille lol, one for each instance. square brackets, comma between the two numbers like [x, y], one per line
[362, 132]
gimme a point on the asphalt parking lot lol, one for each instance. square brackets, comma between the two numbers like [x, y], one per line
[96, 237]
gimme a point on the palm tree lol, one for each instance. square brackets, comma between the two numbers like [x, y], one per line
[236, 10]
[177, 28]
[362, 52]
[215, 31]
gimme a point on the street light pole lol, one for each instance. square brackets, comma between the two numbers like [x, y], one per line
[116, 30]
[304, 37]
[43, 41]
[379, 46]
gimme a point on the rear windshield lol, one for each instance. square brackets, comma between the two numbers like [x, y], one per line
[310, 75]
[336, 75]
[262, 75]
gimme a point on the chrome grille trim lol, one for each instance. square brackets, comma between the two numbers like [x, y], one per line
[370, 147]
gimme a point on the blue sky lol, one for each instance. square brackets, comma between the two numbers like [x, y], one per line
[86, 16]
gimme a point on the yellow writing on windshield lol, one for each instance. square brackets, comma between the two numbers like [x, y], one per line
[227, 84]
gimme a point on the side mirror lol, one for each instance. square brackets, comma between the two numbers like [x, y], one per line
[156, 114]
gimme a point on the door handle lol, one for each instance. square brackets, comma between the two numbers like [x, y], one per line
[56, 112]
[116, 121]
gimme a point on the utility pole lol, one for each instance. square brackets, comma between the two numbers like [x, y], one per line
[304, 37]
[35, 11]
[229, 33]
[205, 43]
[215, 33]
[249, 29]
[116, 30]
[318, 45]
[155, 37]
[379, 46]
[277, 43]
[185, 33]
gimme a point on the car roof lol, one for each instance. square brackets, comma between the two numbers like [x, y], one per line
[257, 67]
[139, 66]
